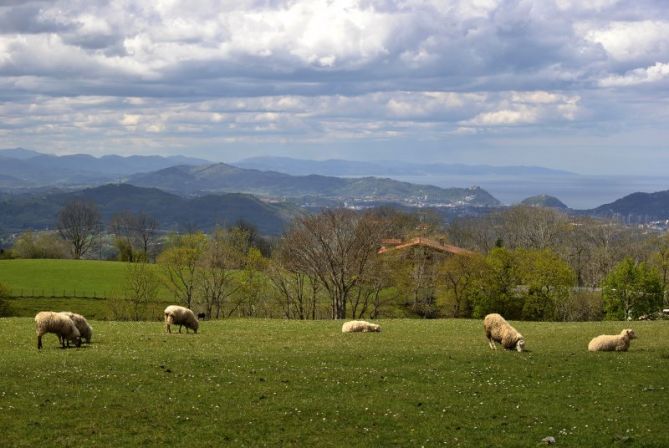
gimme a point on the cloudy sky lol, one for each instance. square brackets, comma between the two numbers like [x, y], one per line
[572, 84]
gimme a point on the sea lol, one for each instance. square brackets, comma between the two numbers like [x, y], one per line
[580, 192]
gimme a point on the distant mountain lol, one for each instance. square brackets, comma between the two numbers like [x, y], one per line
[18, 153]
[220, 177]
[40, 211]
[80, 169]
[636, 207]
[333, 167]
[544, 200]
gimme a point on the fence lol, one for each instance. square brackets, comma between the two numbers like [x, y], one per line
[53, 293]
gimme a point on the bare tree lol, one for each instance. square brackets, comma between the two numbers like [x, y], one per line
[135, 233]
[79, 224]
[334, 247]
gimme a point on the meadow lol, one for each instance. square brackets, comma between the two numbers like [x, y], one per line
[84, 285]
[252, 382]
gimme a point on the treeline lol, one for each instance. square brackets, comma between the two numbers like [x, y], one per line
[524, 262]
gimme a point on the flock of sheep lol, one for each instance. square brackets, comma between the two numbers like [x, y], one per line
[498, 330]
[71, 327]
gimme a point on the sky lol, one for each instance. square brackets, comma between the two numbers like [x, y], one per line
[568, 84]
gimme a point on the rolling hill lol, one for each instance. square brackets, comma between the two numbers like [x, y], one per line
[39, 211]
[636, 207]
[220, 177]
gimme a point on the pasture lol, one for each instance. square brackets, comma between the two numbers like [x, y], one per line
[251, 382]
[84, 285]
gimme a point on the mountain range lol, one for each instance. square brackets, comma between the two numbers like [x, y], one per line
[33, 169]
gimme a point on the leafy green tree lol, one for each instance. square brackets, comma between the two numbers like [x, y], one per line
[546, 283]
[181, 263]
[498, 291]
[632, 289]
[461, 277]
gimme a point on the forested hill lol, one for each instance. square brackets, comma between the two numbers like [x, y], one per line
[637, 206]
[221, 177]
[19, 212]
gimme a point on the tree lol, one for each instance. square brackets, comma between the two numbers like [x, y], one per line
[140, 288]
[335, 247]
[40, 245]
[546, 283]
[181, 262]
[631, 290]
[297, 292]
[461, 277]
[79, 224]
[222, 255]
[134, 234]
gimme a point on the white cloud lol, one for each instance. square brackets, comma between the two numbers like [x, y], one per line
[625, 41]
[654, 73]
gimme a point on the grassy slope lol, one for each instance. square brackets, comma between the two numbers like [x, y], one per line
[288, 383]
[65, 278]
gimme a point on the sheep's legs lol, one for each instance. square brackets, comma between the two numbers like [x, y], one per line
[39, 342]
[492, 344]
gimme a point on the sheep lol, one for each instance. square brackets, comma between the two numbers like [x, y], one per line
[82, 324]
[360, 326]
[178, 315]
[608, 343]
[497, 329]
[61, 325]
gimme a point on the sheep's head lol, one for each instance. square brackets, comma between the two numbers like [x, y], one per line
[629, 333]
[376, 328]
[520, 345]
[77, 341]
[195, 326]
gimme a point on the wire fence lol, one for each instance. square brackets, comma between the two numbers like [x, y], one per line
[53, 293]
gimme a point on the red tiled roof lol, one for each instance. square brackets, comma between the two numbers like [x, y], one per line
[426, 242]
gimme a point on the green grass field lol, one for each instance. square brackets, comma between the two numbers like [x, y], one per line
[63, 284]
[53, 277]
[290, 383]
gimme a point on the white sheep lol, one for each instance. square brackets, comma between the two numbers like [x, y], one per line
[181, 316]
[82, 324]
[360, 326]
[60, 324]
[609, 343]
[497, 329]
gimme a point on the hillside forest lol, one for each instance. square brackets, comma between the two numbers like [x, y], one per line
[525, 262]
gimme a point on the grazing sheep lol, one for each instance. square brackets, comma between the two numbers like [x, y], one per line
[499, 330]
[360, 326]
[609, 343]
[61, 325]
[178, 315]
[82, 324]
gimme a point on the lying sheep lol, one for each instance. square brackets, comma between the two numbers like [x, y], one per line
[609, 343]
[60, 324]
[82, 325]
[178, 315]
[499, 330]
[360, 326]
